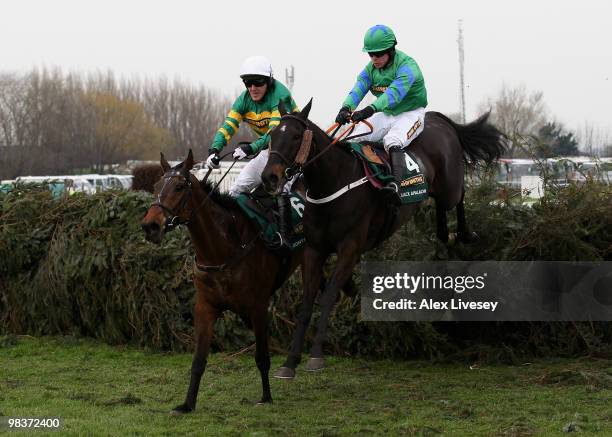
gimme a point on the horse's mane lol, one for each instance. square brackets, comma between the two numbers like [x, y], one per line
[222, 199]
[345, 147]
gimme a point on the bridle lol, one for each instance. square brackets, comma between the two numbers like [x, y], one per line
[173, 217]
[299, 161]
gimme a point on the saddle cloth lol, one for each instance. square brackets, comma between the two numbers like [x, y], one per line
[413, 187]
[262, 208]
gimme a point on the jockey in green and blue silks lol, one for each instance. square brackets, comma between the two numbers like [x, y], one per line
[258, 107]
[398, 113]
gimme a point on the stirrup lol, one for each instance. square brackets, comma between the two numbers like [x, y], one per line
[282, 242]
[278, 242]
[391, 186]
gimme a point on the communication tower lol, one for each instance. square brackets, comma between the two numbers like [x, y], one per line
[290, 77]
[461, 77]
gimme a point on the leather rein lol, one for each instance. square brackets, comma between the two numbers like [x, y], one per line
[174, 219]
[301, 160]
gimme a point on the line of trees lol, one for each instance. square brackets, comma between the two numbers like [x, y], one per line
[56, 123]
[524, 118]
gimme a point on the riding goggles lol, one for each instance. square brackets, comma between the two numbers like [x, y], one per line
[258, 82]
[378, 54]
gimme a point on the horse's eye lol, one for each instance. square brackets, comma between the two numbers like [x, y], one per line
[179, 187]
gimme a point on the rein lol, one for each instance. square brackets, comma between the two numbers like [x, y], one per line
[301, 160]
[200, 269]
[174, 219]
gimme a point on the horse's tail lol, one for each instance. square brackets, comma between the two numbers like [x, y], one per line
[480, 140]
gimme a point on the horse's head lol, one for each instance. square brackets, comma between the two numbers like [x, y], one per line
[290, 143]
[173, 202]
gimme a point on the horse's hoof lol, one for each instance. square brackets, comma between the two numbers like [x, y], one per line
[284, 373]
[315, 364]
[264, 401]
[468, 237]
[181, 409]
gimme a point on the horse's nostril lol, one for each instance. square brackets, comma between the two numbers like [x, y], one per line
[150, 228]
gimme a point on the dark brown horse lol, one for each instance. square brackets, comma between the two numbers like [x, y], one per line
[361, 218]
[233, 269]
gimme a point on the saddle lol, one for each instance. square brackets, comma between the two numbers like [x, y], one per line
[413, 187]
[262, 208]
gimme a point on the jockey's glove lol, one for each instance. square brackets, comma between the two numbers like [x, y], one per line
[213, 159]
[243, 151]
[366, 112]
[344, 116]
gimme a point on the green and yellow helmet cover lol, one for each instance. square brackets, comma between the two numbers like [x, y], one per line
[378, 38]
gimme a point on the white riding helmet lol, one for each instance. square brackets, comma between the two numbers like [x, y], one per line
[256, 66]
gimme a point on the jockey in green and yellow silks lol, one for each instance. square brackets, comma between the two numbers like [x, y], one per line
[258, 107]
[398, 113]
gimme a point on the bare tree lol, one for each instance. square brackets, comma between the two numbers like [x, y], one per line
[592, 138]
[53, 123]
[517, 113]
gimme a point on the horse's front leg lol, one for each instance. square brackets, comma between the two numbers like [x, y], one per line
[348, 256]
[205, 317]
[312, 272]
[262, 354]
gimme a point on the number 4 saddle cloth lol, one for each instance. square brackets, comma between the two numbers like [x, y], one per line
[413, 187]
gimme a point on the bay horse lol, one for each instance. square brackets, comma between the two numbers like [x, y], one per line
[361, 218]
[233, 268]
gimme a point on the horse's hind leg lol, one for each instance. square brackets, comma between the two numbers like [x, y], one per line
[262, 354]
[205, 317]
[348, 256]
[441, 224]
[312, 271]
[463, 232]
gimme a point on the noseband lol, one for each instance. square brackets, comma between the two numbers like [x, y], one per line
[173, 219]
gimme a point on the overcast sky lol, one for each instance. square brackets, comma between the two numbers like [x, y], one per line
[559, 47]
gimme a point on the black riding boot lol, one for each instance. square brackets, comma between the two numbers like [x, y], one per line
[284, 214]
[398, 167]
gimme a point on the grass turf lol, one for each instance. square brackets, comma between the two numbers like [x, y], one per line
[102, 390]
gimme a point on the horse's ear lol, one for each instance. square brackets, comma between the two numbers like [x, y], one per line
[304, 113]
[188, 164]
[164, 164]
[281, 108]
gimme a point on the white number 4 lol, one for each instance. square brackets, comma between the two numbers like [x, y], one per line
[410, 164]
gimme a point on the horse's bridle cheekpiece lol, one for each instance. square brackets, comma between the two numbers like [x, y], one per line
[301, 158]
[173, 219]
[295, 167]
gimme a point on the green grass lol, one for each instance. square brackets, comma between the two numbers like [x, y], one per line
[101, 390]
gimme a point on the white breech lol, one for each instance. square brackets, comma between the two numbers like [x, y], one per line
[393, 130]
[250, 176]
